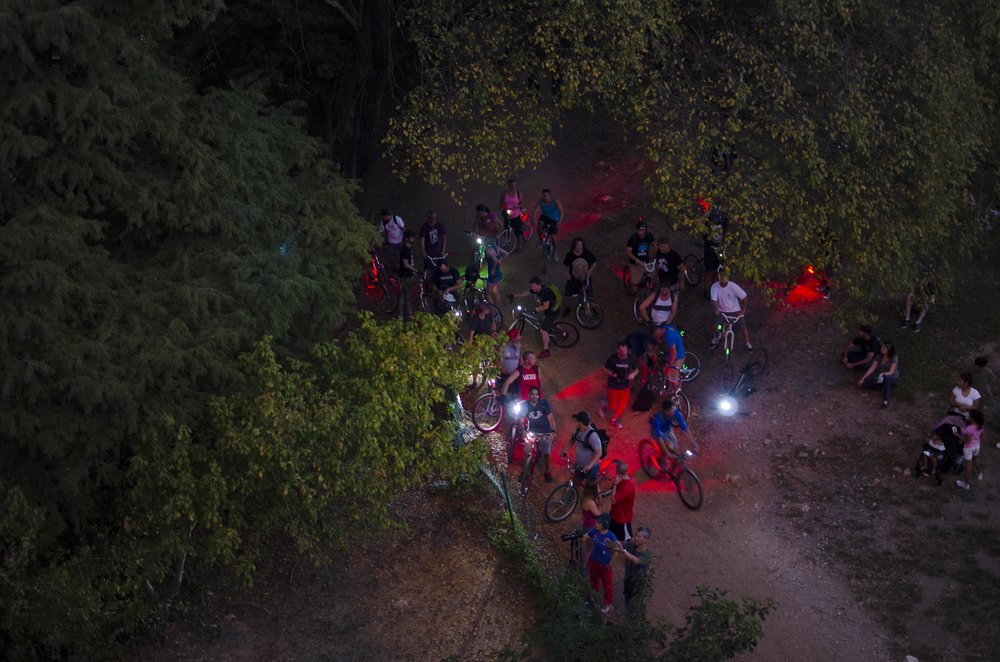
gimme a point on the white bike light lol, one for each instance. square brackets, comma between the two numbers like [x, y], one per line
[727, 406]
[479, 240]
[517, 409]
[520, 308]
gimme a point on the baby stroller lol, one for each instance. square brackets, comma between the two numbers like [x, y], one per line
[949, 430]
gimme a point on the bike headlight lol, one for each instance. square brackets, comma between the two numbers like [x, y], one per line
[516, 409]
[727, 406]
[479, 240]
[520, 308]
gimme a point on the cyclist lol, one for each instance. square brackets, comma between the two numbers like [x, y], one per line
[639, 251]
[510, 357]
[730, 299]
[407, 270]
[660, 307]
[662, 425]
[580, 264]
[587, 445]
[487, 224]
[551, 212]
[541, 421]
[669, 265]
[527, 376]
[621, 369]
[433, 239]
[545, 300]
[510, 207]
[492, 256]
[445, 283]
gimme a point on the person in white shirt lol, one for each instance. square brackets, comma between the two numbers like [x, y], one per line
[392, 228]
[730, 299]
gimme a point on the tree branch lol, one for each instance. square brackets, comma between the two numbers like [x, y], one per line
[351, 14]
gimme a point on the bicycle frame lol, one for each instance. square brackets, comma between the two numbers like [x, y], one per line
[726, 330]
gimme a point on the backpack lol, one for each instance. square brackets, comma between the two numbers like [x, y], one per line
[605, 438]
[559, 297]
[644, 401]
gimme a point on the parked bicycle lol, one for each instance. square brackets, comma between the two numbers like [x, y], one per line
[673, 465]
[474, 296]
[561, 334]
[694, 266]
[589, 312]
[734, 385]
[424, 295]
[562, 501]
[382, 288]
[488, 412]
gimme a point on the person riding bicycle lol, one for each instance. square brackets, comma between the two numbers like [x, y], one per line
[587, 445]
[510, 207]
[669, 265]
[729, 299]
[660, 307]
[580, 264]
[445, 284]
[527, 376]
[551, 212]
[487, 224]
[491, 254]
[541, 421]
[639, 250]
[662, 427]
[545, 308]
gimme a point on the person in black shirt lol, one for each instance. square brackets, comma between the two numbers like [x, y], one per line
[545, 308]
[637, 559]
[540, 420]
[639, 249]
[407, 269]
[580, 264]
[621, 369]
[669, 265]
[862, 350]
[716, 223]
[445, 283]
[482, 323]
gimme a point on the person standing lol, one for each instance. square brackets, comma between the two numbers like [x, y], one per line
[590, 505]
[482, 323]
[392, 228]
[639, 250]
[622, 503]
[638, 556]
[599, 563]
[586, 445]
[716, 223]
[621, 369]
[527, 376]
[407, 271]
[580, 264]
[971, 435]
[491, 253]
[730, 299]
[551, 212]
[433, 239]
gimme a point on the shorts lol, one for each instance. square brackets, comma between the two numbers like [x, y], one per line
[589, 476]
[969, 452]
[549, 226]
[548, 320]
[636, 272]
[740, 325]
[545, 443]
[496, 277]
[669, 438]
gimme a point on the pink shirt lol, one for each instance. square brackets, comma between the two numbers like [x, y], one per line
[973, 434]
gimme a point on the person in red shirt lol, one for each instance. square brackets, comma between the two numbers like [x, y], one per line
[622, 503]
[528, 375]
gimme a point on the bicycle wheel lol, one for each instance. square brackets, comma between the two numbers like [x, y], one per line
[487, 412]
[649, 458]
[426, 302]
[561, 503]
[564, 334]
[688, 488]
[386, 298]
[756, 367]
[527, 473]
[694, 267]
[589, 314]
[496, 315]
[640, 296]
[691, 367]
[683, 405]
[507, 241]
[512, 440]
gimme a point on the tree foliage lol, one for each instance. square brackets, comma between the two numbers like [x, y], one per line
[857, 136]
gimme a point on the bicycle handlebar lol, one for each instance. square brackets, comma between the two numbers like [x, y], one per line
[730, 318]
[435, 260]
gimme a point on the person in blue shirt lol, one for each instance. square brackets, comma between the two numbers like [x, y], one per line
[599, 563]
[663, 424]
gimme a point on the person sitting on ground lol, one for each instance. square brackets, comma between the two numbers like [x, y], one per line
[971, 437]
[918, 300]
[883, 373]
[964, 398]
[862, 350]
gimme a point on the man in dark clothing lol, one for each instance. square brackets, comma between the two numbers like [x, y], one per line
[639, 250]
[637, 559]
[621, 369]
[407, 269]
[861, 351]
[669, 265]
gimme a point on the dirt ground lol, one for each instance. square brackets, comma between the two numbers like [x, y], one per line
[807, 498]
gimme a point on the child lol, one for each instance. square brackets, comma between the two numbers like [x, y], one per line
[931, 458]
[970, 447]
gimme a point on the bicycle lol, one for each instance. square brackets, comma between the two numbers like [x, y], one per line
[548, 249]
[648, 285]
[694, 265]
[663, 385]
[425, 296]
[749, 372]
[384, 289]
[686, 482]
[561, 334]
[474, 296]
[562, 501]
[507, 239]
[726, 333]
[589, 312]
[488, 413]
[531, 455]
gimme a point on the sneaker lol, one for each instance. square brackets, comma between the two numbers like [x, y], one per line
[714, 343]
[617, 423]
[548, 477]
[750, 348]
[905, 324]
[916, 327]
[979, 476]
[963, 484]
[544, 354]
[605, 609]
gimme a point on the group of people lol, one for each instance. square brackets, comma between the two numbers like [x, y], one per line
[957, 437]
[879, 361]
